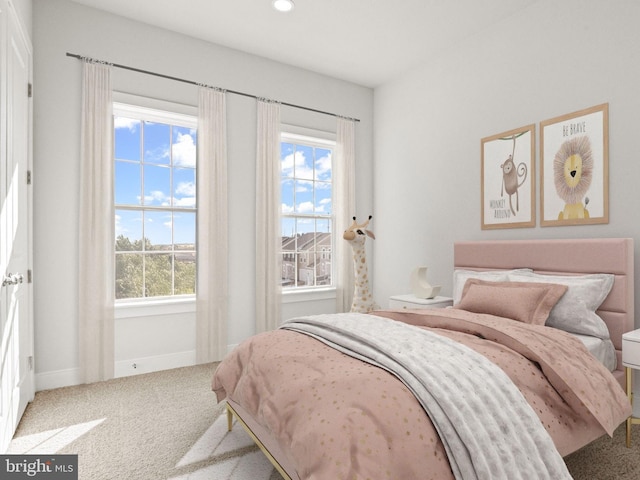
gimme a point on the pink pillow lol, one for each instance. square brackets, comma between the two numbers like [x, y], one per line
[526, 302]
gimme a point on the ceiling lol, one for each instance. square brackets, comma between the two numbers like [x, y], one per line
[368, 42]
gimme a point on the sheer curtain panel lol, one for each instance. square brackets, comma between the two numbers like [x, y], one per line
[96, 227]
[268, 237]
[345, 210]
[212, 288]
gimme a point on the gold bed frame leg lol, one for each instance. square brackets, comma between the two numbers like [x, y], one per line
[229, 418]
[230, 413]
[629, 382]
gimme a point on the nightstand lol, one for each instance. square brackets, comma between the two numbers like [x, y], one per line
[411, 301]
[631, 361]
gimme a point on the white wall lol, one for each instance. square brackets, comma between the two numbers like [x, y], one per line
[61, 26]
[551, 59]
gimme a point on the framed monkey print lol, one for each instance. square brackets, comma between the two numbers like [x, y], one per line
[508, 179]
[574, 172]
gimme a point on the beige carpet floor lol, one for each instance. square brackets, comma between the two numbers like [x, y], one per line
[608, 458]
[160, 425]
[167, 425]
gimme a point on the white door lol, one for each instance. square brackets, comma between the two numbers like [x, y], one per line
[16, 325]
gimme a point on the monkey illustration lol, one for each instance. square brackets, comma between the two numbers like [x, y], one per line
[510, 178]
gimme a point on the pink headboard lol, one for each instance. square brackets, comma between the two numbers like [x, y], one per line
[579, 256]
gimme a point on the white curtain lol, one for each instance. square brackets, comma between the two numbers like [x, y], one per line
[212, 286]
[345, 210]
[96, 290]
[268, 235]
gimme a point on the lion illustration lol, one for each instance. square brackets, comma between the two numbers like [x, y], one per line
[572, 174]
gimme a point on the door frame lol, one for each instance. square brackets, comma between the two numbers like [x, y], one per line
[13, 35]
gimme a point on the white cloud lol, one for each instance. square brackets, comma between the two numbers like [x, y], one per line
[305, 207]
[185, 195]
[184, 201]
[297, 160]
[156, 196]
[302, 186]
[287, 208]
[286, 164]
[302, 170]
[186, 188]
[323, 166]
[128, 123]
[184, 151]
[157, 154]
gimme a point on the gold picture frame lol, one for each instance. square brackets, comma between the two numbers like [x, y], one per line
[574, 168]
[508, 179]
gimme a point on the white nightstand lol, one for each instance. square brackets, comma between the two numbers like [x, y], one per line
[411, 301]
[630, 360]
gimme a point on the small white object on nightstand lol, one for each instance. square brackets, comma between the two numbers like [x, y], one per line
[420, 287]
[630, 360]
[411, 301]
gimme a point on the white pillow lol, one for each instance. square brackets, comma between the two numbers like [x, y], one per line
[576, 310]
[461, 276]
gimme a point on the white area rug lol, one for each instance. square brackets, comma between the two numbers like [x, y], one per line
[228, 451]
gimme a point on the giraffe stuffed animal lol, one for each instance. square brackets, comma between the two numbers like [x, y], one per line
[356, 235]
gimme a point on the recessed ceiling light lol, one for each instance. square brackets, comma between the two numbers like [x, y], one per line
[283, 5]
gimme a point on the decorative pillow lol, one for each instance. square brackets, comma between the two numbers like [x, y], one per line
[461, 276]
[524, 302]
[576, 310]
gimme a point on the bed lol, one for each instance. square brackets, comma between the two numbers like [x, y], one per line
[321, 408]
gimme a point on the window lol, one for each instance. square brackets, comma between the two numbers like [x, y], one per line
[307, 214]
[155, 203]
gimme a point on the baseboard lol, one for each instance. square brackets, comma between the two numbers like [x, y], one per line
[122, 368]
[57, 379]
[137, 366]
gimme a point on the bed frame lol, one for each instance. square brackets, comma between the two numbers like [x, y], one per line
[581, 256]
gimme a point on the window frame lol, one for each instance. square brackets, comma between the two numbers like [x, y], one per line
[159, 111]
[323, 139]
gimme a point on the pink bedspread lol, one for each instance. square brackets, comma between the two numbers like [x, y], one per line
[338, 417]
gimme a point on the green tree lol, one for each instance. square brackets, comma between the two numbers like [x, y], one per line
[185, 274]
[140, 273]
[129, 275]
[157, 272]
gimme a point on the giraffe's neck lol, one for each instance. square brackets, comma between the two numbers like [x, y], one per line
[362, 298]
[359, 260]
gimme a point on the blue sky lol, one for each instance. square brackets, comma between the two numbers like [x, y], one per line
[306, 187]
[168, 159]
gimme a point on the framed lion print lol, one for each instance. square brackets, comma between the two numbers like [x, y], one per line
[508, 179]
[574, 168]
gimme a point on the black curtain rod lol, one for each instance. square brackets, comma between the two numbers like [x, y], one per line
[191, 82]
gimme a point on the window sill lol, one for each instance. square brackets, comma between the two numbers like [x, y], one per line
[168, 306]
[306, 295]
[162, 306]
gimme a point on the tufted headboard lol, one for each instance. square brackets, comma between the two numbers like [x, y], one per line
[578, 256]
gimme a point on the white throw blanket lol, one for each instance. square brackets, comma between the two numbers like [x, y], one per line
[487, 427]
